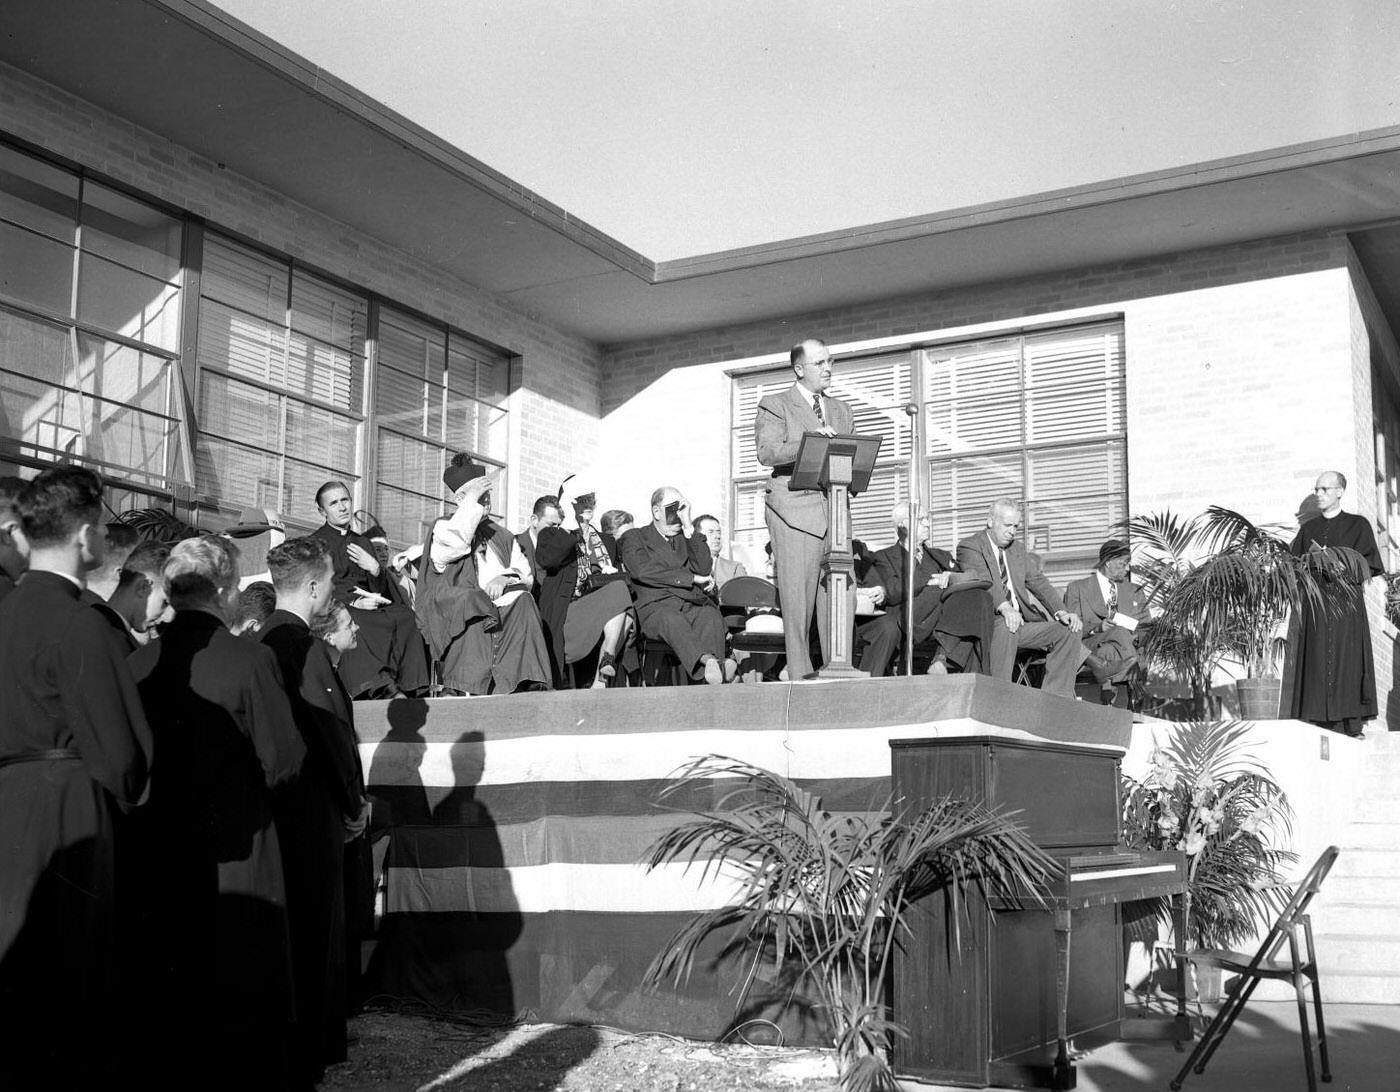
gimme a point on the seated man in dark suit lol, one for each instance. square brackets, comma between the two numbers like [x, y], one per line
[997, 555]
[669, 563]
[1100, 598]
[959, 621]
[390, 658]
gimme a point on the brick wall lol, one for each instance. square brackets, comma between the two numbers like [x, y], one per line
[1238, 370]
[560, 390]
[1372, 343]
[1248, 372]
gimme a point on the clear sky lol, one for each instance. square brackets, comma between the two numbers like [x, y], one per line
[681, 128]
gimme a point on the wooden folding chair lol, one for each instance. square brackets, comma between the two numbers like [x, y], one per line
[1267, 964]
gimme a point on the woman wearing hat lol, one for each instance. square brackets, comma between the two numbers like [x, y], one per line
[585, 602]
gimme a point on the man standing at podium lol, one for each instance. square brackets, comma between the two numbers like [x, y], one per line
[797, 519]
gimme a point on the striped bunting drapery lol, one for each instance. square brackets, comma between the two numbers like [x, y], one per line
[510, 830]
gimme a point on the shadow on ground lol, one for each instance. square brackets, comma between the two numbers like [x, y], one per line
[1264, 1052]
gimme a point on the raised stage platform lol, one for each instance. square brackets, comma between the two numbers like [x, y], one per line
[509, 829]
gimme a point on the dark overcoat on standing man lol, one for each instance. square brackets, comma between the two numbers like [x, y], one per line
[311, 812]
[74, 749]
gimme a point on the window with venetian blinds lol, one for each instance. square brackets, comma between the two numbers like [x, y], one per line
[1037, 417]
[437, 393]
[280, 390]
[90, 295]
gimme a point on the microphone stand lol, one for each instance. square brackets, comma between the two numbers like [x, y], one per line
[911, 409]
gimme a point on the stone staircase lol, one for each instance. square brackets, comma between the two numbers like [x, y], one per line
[1356, 921]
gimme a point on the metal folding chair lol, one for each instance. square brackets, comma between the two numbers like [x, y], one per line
[1266, 963]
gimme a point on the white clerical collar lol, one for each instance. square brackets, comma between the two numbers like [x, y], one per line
[1332, 515]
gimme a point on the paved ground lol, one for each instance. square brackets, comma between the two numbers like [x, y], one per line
[1262, 1053]
[402, 1052]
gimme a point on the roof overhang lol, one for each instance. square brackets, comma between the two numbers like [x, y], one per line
[196, 76]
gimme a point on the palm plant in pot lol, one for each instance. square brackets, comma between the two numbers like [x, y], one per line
[1205, 795]
[827, 896]
[1225, 588]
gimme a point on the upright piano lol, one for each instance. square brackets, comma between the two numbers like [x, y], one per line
[1006, 995]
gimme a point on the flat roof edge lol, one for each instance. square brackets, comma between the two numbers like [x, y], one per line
[237, 35]
[1089, 195]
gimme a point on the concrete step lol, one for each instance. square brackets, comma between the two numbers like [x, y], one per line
[1372, 918]
[1359, 989]
[1338, 988]
[1343, 890]
[1363, 862]
[1357, 953]
[1380, 809]
[1379, 784]
[1379, 743]
[1370, 834]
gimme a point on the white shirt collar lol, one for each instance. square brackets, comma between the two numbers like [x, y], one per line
[1105, 585]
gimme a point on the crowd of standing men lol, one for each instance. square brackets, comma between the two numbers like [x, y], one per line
[182, 855]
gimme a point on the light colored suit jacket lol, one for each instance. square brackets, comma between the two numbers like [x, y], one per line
[777, 430]
[724, 570]
[1085, 599]
[978, 556]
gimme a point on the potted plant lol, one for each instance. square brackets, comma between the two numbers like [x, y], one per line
[1224, 588]
[826, 897]
[1205, 795]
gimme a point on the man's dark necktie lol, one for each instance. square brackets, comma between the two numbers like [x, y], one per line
[1006, 581]
[817, 408]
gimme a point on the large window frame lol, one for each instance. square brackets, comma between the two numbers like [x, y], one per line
[92, 283]
[1036, 415]
[427, 378]
[80, 323]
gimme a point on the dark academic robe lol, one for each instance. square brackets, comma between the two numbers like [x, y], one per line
[125, 642]
[483, 649]
[1334, 675]
[74, 747]
[311, 812]
[6, 585]
[215, 954]
[390, 649]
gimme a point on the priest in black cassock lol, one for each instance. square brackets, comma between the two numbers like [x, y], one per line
[390, 657]
[74, 748]
[14, 549]
[215, 958]
[1334, 674]
[319, 811]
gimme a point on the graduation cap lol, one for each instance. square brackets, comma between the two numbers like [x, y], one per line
[255, 521]
[585, 502]
[459, 473]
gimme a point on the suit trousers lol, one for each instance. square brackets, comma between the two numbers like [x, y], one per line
[1116, 643]
[797, 561]
[693, 630]
[1063, 652]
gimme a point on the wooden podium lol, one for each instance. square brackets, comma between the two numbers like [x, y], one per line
[841, 466]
